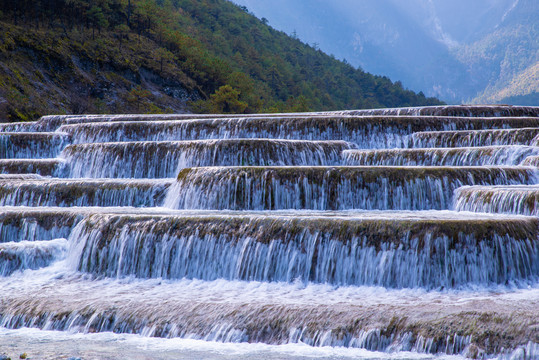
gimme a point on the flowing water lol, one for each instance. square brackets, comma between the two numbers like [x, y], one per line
[384, 234]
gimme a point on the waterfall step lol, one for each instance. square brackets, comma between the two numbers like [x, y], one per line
[249, 228]
[83, 192]
[55, 121]
[147, 159]
[367, 132]
[42, 167]
[459, 156]
[52, 122]
[318, 315]
[522, 200]
[34, 224]
[333, 188]
[20, 177]
[29, 145]
[429, 249]
[24, 255]
[20, 126]
[446, 111]
[467, 138]
[531, 161]
[445, 252]
[453, 110]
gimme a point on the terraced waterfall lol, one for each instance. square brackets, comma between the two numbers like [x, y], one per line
[399, 233]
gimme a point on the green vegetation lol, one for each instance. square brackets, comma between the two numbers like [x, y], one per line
[148, 56]
[505, 61]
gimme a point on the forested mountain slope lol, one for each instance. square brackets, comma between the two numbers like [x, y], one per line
[126, 56]
[480, 51]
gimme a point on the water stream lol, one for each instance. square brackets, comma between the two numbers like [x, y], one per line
[382, 234]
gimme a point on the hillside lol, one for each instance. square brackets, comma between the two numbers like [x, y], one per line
[457, 50]
[127, 56]
[521, 88]
[508, 57]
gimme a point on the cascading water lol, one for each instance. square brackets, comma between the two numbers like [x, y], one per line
[332, 188]
[401, 231]
[468, 138]
[83, 192]
[460, 156]
[350, 251]
[366, 132]
[138, 159]
[27, 145]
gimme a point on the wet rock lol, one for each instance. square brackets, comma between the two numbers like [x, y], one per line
[474, 352]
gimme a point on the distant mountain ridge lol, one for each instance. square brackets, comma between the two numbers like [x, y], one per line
[458, 50]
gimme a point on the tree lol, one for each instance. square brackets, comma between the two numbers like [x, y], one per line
[122, 32]
[97, 19]
[129, 13]
[224, 100]
[163, 56]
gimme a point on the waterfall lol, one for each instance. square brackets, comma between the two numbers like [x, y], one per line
[332, 188]
[29, 254]
[498, 199]
[82, 192]
[531, 161]
[44, 167]
[453, 110]
[140, 159]
[343, 252]
[459, 156]
[366, 132]
[468, 138]
[405, 231]
[18, 224]
[26, 145]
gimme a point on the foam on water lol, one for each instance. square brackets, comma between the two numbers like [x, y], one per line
[305, 275]
[207, 310]
[22, 255]
[49, 345]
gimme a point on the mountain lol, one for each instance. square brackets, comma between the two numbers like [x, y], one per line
[124, 56]
[508, 56]
[458, 50]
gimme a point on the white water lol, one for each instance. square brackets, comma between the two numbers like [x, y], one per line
[83, 192]
[366, 132]
[498, 199]
[22, 255]
[138, 159]
[333, 188]
[50, 345]
[467, 138]
[26, 145]
[199, 306]
[273, 283]
[461, 156]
